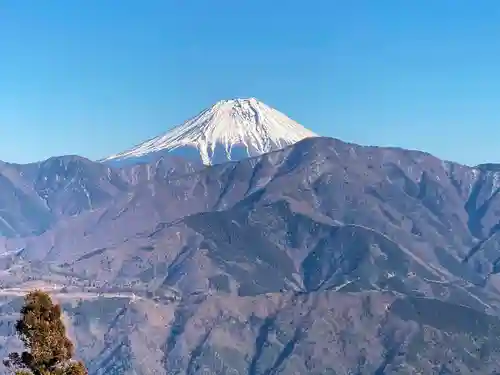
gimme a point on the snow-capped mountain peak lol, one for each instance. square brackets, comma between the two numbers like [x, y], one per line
[229, 130]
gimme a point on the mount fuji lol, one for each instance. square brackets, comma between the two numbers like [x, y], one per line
[230, 130]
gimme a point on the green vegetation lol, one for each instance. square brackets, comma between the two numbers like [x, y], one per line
[48, 350]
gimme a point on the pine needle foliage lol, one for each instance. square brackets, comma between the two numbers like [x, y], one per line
[48, 350]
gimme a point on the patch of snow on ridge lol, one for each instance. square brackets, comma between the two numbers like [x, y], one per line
[231, 129]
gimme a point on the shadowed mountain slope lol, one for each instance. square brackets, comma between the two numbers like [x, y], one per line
[281, 256]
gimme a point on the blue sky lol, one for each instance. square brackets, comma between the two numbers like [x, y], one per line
[93, 77]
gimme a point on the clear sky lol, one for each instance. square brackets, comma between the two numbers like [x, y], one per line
[93, 77]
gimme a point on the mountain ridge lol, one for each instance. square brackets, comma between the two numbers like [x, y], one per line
[321, 257]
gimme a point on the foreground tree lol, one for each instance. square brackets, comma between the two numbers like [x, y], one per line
[48, 350]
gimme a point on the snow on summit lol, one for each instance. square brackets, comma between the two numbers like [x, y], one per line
[229, 130]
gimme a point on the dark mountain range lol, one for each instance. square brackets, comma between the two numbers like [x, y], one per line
[321, 258]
